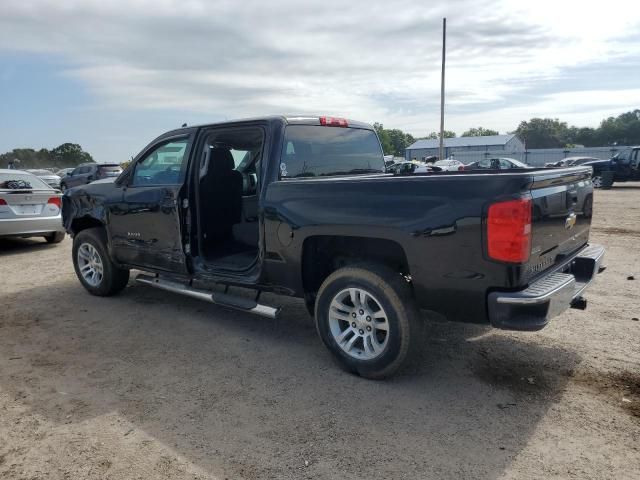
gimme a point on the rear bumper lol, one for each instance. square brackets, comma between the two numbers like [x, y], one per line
[549, 296]
[30, 227]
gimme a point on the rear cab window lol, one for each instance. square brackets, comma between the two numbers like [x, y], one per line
[319, 151]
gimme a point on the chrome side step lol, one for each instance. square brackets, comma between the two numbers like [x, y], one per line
[222, 299]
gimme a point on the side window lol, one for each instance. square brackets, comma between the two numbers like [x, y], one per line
[505, 164]
[76, 171]
[484, 163]
[165, 165]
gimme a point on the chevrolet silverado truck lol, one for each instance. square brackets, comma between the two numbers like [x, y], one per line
[302, 206]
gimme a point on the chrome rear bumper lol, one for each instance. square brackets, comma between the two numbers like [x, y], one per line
[549, 296]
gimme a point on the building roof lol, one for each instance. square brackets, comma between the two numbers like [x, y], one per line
[489, 140]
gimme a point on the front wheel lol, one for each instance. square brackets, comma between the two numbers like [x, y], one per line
[597, 181]
[93, 266]
[366, 317]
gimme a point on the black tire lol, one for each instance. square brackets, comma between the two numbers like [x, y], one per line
[394, 295]
[607, 179]
[56, 237]
[114, 279]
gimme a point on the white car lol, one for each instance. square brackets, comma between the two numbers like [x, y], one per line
[49, 178]
[449, 165]
[29, 207]
[409, 167]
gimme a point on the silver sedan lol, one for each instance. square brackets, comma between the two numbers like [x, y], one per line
[29, 207]
[49, 178]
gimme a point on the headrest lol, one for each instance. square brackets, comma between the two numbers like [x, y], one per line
[221, 161]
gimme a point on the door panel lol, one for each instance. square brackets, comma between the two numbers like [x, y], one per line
[146, 227]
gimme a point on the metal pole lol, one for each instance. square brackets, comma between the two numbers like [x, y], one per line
[444, 43]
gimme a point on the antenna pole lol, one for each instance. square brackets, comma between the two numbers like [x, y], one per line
[444, 44]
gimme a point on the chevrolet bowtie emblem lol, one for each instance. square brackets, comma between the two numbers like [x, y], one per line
[570, 221]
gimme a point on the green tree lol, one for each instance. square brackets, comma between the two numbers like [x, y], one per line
[623, 129]
[544, 133]
[66, 155]
[70, 154]
[394, 142]
[480, 132]
[436, 135]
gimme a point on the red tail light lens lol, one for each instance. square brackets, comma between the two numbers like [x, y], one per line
[3, 201]
[461, 168]
[333, 122]
[55, 201]
[509, 231]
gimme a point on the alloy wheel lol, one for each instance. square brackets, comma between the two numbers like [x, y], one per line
[358, 323]
[90, 264]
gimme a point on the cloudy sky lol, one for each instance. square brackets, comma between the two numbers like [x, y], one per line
[113, 74]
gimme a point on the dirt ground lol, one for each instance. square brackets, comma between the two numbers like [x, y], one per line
[153, 385]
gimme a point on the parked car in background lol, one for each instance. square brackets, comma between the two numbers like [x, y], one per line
[496, 164]
[47, 176]
[63, 172]
[622, 167]
[88, 172]
[412, 167]
[571, 161]
[29, 207]
[449, 165]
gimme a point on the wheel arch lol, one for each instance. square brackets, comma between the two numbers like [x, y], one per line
[83, 223]
[324, 254]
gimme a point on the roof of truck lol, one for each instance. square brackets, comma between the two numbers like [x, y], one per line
[289, 119]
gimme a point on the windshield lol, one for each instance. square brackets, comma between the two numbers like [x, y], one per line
[311, 151]
[21, 181]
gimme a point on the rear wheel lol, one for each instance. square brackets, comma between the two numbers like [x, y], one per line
[366, 316]
[93, 266]
[56, 237]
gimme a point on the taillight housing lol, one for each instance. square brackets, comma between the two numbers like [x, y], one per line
[3, 201]
[509, 231]
[55, 201]
[333, 122]
[461, 168]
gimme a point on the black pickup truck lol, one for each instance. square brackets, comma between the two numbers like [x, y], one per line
[622, 167]
[302, 206]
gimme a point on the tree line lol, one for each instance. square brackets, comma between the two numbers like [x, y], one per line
[535, 133]
[65, 155]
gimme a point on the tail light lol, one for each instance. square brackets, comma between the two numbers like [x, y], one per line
[461, 168]
[3, 201]
[333, 122]
[55, 201]
[509, 231]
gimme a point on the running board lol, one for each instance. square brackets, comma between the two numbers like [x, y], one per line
[222, 299]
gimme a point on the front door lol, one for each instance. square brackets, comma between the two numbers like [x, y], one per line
[146, 227]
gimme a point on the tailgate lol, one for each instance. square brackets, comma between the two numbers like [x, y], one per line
[561, 217]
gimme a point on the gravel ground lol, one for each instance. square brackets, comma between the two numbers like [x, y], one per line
[153, 385]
